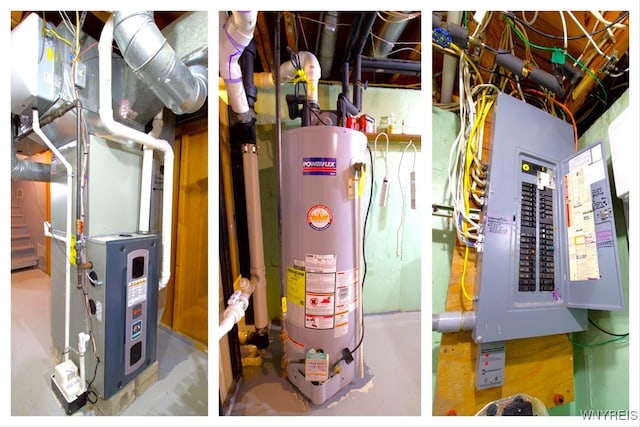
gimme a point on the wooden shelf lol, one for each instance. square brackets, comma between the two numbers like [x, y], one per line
[396, 137]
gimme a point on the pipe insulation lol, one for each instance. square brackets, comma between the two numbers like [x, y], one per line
[453, 321]
[311, 67]
[182, 89]
[124, 135]
[236, 33]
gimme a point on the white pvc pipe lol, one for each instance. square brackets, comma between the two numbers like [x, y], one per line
[449, 65]
[67, 240]
[359, 287]
[236, 33]
[82, 348]
[147, 176]
[122, 134]
[254, 225]
[145, 190]
[311, 67]
[453, 321]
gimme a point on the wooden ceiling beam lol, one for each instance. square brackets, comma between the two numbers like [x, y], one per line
[262, 36]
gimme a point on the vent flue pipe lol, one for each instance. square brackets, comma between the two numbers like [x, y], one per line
[180, 88]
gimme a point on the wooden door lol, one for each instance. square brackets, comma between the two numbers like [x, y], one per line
[186, 308]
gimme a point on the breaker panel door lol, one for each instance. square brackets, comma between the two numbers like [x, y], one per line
[592, 268]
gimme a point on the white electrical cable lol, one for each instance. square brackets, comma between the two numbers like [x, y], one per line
[524, 18]
[564, 30]
[586, 33]
[401, 226]
[601, 18]
[385, 181]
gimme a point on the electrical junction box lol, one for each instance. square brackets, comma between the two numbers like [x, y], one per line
[549, 251]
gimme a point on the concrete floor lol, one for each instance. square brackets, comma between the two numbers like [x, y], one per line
[181, 389]
[390, 387]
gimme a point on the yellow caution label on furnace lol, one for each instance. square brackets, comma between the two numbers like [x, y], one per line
[295, 286]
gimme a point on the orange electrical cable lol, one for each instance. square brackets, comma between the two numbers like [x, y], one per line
[566, 110]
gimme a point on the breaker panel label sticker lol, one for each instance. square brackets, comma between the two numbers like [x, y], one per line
[581, 233]
[319, 166]
[295, 286]
[319, 217]
[498, 225]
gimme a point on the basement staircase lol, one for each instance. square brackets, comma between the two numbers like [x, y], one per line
[23, 252]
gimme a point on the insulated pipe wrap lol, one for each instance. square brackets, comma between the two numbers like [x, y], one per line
[155, 62]
[236, 33]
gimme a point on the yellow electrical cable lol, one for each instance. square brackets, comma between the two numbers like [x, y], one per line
[464, 272]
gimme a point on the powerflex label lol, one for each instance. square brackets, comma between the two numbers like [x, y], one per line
[319, 166]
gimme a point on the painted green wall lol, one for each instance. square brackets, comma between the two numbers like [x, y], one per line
[443, 235]
[601, 374]
[392, 282]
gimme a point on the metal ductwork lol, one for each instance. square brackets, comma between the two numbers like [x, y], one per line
[182, 89]
[328, 43]
[392, 28]
[28, 170]
[25, 169]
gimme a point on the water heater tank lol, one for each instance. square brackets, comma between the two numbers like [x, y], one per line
[320, 225]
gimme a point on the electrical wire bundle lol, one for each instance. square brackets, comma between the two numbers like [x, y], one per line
[467, 171]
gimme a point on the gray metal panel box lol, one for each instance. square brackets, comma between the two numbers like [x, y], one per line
[124, 290]
[533, 278]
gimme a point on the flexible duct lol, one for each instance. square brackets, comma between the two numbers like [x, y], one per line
[182, 89]
[236, 33]
[27, 170]
[311, 67]
[122, 134]
[328, 43]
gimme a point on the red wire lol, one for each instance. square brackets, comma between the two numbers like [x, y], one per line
[566, 110]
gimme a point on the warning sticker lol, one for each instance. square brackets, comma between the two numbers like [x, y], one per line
[320, 304]
[295, 286]
[319, 263]
[319, 217]
[321, 282]
[136, 292]
[341, 325]
[316, 367]
[318, 322]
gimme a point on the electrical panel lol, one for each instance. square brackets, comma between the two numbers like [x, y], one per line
[549, 250]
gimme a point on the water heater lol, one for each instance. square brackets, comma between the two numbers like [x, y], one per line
[320, 235]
